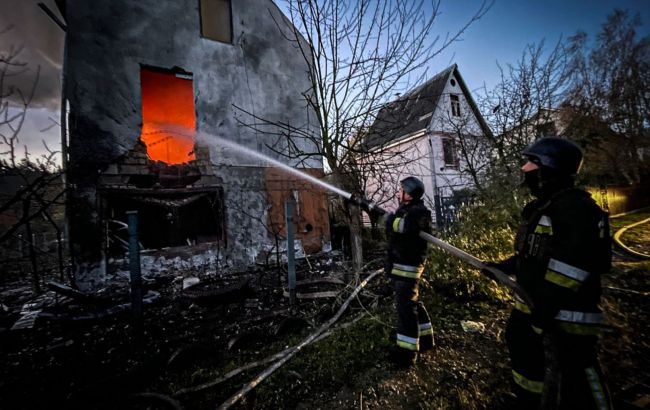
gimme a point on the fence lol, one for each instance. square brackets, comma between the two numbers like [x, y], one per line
[618, 200]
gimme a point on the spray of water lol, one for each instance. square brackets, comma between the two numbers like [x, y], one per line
[218, 141]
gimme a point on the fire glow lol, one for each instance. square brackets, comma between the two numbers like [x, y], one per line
[168, 120]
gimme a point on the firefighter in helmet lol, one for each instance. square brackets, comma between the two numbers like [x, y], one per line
[561, 250]
[406, 254]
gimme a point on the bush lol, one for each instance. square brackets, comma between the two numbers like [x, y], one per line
[485, 229]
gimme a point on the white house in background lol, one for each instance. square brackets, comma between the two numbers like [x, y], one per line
[418, 134]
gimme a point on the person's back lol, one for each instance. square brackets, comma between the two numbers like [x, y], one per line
[406, 254]
[404, 243]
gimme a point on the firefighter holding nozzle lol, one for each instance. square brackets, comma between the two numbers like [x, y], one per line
[561, 250]
[406, 253]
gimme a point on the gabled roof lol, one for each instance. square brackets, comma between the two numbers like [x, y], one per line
[412, 112]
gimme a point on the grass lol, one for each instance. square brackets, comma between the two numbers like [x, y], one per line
[636, 237]
[625, 220]
[351, 366]
[323, 369]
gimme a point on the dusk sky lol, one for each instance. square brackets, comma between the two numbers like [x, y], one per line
[500, 35]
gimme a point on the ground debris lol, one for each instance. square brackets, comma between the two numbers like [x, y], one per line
[183, 348]
[471, 326]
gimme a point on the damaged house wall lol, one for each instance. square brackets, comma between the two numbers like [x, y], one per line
[216, 203]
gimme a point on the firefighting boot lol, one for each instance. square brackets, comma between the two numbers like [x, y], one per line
[426, 343]
[402, 358]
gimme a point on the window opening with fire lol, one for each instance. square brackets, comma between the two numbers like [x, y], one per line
[168, 119]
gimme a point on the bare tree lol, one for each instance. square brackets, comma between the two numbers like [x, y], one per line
[360, 54]
[523, 106]
[39, 178]
[609, 92]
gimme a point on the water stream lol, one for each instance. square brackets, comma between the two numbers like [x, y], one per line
[218, 141]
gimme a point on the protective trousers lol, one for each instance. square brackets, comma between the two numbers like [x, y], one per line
[582, 384]
[581, 379]
[526, 350]
[414, 330]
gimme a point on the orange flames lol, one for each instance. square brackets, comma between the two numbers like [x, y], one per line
[168, 121]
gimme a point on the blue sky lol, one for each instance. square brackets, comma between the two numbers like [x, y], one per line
[501, 35]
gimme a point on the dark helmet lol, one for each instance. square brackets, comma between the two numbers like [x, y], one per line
[413, 186]
[559, 154]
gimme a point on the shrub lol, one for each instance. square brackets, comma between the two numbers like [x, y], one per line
[485, 229]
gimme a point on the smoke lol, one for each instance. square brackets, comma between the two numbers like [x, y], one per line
[24, 26]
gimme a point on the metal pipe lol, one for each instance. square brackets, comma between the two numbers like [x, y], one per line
[134, 264]
[53, 16]
[291, 262]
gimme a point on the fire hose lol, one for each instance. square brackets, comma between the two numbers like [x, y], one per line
[371, 207]
[499, 276]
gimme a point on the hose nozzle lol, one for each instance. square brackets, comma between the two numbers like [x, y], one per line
[367, 205]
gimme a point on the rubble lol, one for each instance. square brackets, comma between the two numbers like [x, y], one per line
[471, 326]
[184, 327]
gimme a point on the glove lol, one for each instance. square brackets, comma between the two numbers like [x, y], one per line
[357, 200]
[508, 266]
[366, 205]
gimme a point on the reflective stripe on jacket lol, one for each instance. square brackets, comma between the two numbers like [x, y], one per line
[562, 249]
[406, 250]
[407, 271]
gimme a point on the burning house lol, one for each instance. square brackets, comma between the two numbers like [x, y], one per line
[151, 87]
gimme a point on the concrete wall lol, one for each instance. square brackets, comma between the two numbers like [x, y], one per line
[109, 41]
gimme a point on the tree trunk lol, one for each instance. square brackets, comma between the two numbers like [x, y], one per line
[356, 245]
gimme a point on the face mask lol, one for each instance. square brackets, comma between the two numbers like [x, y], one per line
[533, 181]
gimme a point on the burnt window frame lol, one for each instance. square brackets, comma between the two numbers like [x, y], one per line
[116, 200]
[454, 101]
[455, 160]
[230, 17]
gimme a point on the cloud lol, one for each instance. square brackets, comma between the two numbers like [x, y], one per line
[24, 26]
[39, 130]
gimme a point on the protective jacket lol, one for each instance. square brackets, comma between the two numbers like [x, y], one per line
[405, 265]
[561, 250]
[406, 250]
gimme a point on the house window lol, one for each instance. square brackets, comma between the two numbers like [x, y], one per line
[449, 152]
[216, 20]
[455, 105]
[168, 119]
[546, 130]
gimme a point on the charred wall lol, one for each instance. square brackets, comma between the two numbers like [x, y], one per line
[109, 43]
